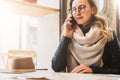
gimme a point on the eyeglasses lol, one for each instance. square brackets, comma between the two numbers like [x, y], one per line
[81, 9]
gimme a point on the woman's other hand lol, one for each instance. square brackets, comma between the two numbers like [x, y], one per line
[82, 69]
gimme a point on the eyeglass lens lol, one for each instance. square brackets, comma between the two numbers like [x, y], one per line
[81, 9]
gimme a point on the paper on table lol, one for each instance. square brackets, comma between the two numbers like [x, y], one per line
[69, 76]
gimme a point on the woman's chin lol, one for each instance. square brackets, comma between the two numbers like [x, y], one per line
[79, 23]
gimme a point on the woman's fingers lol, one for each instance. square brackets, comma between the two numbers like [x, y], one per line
[77, 69]
[82, 69]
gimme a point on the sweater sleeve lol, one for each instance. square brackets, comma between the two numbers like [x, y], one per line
[105, 70]
[113, 49]
[59, 59]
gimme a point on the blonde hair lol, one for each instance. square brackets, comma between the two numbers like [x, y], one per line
[105, 30]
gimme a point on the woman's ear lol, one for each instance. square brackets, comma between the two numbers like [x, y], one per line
[94, 10]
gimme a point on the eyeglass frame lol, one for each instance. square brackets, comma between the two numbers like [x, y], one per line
[81, 9]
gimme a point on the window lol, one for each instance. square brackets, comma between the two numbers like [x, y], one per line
[100, 4]
[41, 33]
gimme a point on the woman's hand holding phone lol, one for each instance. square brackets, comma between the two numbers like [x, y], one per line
[68, 26]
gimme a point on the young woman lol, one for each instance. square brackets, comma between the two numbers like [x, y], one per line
[82, 47]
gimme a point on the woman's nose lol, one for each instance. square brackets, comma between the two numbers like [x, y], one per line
[77, 12]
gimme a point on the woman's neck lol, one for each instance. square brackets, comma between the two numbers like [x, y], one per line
[84, 29]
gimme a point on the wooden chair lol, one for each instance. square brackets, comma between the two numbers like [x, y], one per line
[12, 54]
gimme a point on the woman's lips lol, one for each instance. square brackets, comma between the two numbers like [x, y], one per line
[78, 18]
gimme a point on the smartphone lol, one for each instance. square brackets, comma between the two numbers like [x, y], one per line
[73, 22]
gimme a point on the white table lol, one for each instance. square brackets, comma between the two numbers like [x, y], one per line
[57, 76]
